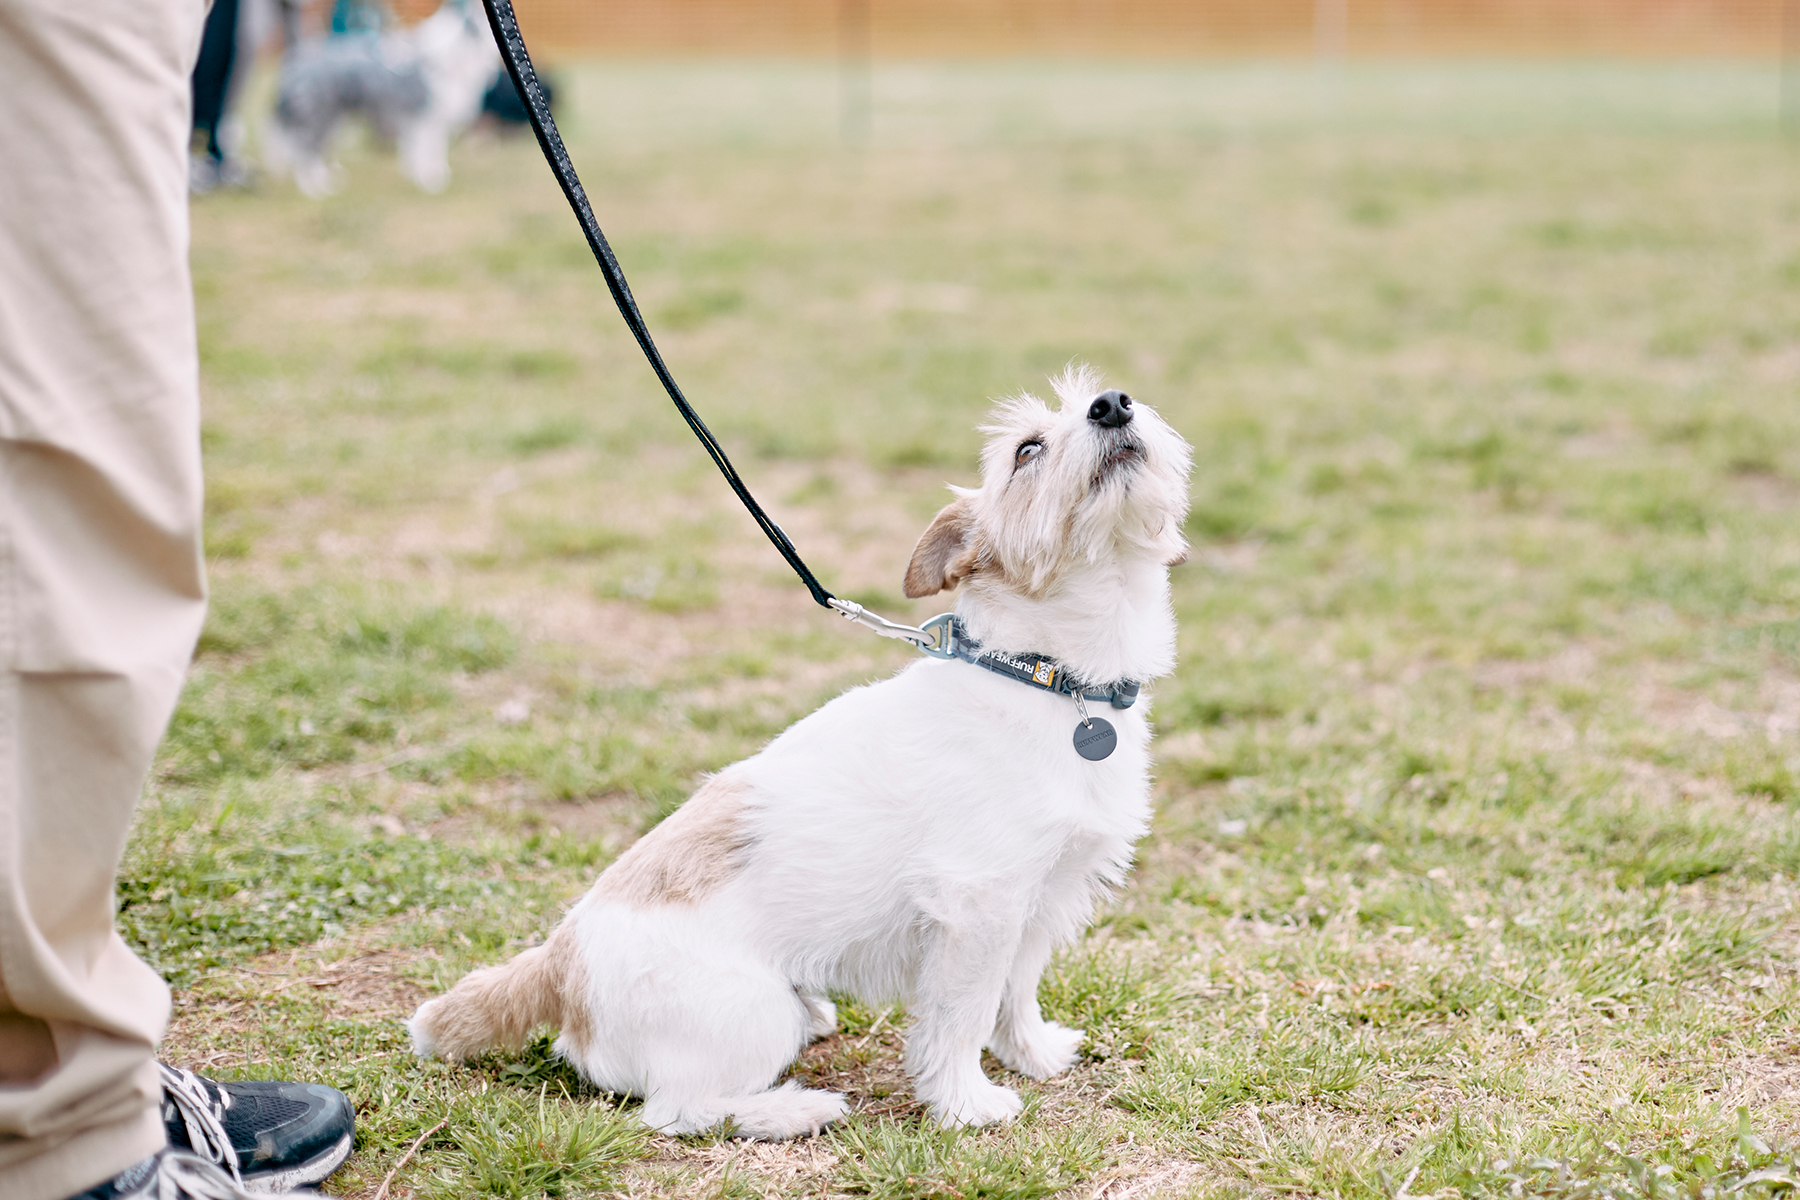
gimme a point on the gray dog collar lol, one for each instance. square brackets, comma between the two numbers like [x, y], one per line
[1035, 669]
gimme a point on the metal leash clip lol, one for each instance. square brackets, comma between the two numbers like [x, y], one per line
[933, 638]
[943, 637]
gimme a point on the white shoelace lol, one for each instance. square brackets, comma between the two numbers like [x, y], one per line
[204, 1116]
[178, 1175]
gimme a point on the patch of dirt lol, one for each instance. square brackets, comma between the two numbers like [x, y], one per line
[680, 1170]
[628, 638]
[1777, 366]
[1573, 665]
[616, 820]
[1144, 1176]
[1766, 491]
[370, 984]
[866, 1068]
[1769, 1085]
[1770, 707]
[1600, 443]
[215, 1025]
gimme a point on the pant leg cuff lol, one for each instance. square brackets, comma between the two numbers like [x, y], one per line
[90, 1157]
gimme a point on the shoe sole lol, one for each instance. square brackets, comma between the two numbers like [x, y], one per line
[310, 1173]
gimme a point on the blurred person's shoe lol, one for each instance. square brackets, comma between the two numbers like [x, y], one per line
[273, 1136]
[203, 173]
[234, 172]
[207, 174]
[172, 1174]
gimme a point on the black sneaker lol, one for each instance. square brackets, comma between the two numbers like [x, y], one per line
[270, 1137]
[172, 1174]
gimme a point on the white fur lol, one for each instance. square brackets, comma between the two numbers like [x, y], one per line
[931, 838]
[451, 52]
[460, 59]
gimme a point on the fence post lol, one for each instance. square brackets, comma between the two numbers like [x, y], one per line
[1331, 43]
[855, 52]
[1790, 68]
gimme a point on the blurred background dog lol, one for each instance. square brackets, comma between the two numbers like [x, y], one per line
[418, 88]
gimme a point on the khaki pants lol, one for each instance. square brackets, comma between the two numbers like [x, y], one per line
[101, 585]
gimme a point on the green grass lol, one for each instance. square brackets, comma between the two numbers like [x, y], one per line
[887, 1161]
[511, 1148]
[1478, 822]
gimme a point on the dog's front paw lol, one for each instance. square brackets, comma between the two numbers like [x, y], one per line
[1048, 1050]
[980, 1105]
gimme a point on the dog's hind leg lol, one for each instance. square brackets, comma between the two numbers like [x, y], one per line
[277, 147]
[424, 147]
[701, 1028]
[821, 1015]
[773, 1115]
[301, 151]
[718, 1069]
[314, 174]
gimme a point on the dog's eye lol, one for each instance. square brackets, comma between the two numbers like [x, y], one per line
[1027, 452]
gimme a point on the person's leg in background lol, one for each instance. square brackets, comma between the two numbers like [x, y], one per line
[101, 592]
[212, 90]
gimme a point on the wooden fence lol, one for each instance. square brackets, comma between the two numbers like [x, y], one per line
[1160, 28]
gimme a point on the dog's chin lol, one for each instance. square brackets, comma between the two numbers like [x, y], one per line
[1121, 462]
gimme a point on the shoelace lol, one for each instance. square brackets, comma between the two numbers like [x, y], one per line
[178, 1175]
[202, 1111]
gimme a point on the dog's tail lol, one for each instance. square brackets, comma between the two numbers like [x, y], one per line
[498, 1007]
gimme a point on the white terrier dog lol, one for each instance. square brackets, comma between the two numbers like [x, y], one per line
[930, 838]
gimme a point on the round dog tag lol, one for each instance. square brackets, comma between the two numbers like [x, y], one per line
[1094, 741]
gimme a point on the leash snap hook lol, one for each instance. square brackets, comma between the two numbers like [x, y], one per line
[943, 637]
[852, 611]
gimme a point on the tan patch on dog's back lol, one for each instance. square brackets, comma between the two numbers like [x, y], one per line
[687, 857]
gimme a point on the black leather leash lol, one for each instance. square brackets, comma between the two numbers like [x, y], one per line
[1094, 737]
[524, 77]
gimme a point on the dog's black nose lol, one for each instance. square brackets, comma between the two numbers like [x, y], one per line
[1111, 409]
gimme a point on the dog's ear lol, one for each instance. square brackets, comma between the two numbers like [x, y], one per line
[939, 561]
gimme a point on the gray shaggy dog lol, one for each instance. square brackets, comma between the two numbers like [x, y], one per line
[418, 88]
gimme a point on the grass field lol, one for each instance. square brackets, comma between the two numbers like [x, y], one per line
[1475, 862]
